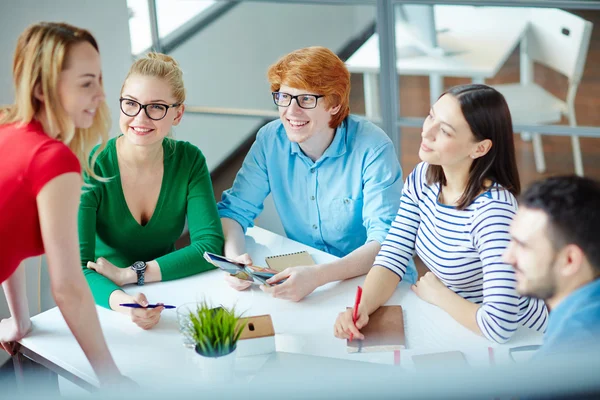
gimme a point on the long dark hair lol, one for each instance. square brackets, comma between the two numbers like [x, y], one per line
[488, 116]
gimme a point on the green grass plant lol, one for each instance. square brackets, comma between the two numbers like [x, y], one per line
[215, 330]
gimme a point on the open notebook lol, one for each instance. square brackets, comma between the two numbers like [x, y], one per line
[384, 332]
[283, 261]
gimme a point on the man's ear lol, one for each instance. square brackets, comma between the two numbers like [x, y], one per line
[335, 110]
[572, 260]
[37, 92]
[180, 111]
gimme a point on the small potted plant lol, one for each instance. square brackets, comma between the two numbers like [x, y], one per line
[215, 332]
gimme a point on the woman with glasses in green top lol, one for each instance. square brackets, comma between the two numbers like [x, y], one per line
[128, 224]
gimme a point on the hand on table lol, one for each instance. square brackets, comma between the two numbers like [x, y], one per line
[11, 332]
[120, 276]
[344, 327]
[233, 281]
[145, 318]
[300, 282]
[430, 288]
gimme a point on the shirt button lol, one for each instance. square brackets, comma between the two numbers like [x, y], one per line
[312, 197]
[315, 226]
[346, 201]
[312, 171]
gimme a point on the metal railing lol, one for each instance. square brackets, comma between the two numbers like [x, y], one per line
[402, 122]
[232, 112]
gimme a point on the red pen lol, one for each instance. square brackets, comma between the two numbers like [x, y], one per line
[355, 313]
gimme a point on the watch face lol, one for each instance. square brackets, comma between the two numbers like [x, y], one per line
[139, 266]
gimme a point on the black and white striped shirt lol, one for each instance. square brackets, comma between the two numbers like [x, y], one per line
[463, 248]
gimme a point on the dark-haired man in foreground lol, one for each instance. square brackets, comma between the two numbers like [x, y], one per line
[555, 250]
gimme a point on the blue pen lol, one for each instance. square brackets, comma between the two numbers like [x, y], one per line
[135, 305]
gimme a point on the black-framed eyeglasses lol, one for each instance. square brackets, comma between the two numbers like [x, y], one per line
[154, 111]
[308, 101]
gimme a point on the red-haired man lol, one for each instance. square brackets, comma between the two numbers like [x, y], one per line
[334, 177]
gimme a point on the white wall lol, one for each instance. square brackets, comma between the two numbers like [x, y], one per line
[108, 21]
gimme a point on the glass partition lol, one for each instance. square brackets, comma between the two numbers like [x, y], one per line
[541, 59]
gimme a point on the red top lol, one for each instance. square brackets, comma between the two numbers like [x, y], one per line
[28, 160]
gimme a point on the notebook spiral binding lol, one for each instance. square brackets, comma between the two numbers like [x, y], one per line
[285, 255]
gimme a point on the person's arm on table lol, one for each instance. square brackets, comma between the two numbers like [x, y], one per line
[497, 317]
[379, 286]
[303, 280]
[235, 248]
[241, 204]
[109, 295]
[235, 240]
[433, 291]
[382, 188]
[104, 278]
[206, 234]
[145, 318]
[391, 262]
[18, 325]
[57, 204]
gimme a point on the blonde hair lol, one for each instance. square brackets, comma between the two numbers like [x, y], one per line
[39, 59]
[160, 66]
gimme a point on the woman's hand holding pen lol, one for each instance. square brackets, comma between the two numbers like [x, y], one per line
[344, 326]
[145, 318]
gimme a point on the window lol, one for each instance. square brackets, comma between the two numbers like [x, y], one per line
[172, 14]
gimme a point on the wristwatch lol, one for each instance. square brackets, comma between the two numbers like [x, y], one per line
[140, 268]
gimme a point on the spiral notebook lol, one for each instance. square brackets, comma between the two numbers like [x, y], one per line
[283, 261]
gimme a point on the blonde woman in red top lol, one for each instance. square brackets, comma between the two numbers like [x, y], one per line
[45, 140]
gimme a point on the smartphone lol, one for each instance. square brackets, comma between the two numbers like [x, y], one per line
[262, 272]
[224, 263]
[233, 267]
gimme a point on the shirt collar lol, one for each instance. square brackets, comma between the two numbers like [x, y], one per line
[337, 147]
[572, 302]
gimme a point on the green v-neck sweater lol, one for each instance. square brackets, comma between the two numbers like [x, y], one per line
[107, 228]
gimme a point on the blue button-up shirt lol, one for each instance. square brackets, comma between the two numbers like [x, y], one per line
[346, 198]
[575, 323]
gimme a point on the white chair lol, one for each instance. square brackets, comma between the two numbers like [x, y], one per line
[558, 40]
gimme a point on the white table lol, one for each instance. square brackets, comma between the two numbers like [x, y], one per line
[305, 327]
[481, 40]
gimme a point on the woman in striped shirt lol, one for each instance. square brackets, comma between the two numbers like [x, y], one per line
[455, 212]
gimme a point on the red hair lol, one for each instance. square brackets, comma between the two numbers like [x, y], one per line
[318, 70]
